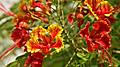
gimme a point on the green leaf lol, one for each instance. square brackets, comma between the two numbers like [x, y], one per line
[90, 56]
[82, 56]
[118, 15]
[19, 62]
[13, 64]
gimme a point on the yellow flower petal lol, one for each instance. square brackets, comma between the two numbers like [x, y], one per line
[55, 30]
[106, 4]
[99, 5]
[59, 49]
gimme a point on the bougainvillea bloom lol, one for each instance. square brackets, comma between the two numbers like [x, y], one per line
[98, 37]
[42, 40]
[99, 7]
[21, 36]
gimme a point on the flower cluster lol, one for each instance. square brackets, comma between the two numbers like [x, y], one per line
[98, 39]
[28, 14]
[40, 41]
[99, 36]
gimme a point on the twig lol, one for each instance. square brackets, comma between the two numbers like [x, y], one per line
[70, 60]
[116, 51]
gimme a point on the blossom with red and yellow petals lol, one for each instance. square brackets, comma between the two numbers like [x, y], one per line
[99, 8]
[42, 40]
[104, 8]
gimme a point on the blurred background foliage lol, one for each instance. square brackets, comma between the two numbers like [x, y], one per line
[69, 56]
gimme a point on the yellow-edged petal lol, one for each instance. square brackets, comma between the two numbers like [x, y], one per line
[55, 30]
[105, 5]
[30, 48]
[62, 45]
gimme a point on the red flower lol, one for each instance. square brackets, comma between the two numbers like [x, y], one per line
[39, 11]
[34, 60]
[22, 21]
[85, 31]
[40, 7]
[102, 26]
[104, 8]
[78, 16]
[20, 35]
[98, 37]
[104, 41]
[70, 18]
[99, 8]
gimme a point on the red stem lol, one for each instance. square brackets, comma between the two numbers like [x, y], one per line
[6, 11]
[9, 49]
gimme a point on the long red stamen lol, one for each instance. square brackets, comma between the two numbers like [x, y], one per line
[5, 10]
[9, 49]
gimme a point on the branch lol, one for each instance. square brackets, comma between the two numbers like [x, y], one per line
[70, 60]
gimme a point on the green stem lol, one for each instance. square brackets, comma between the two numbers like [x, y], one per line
[70, 60]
